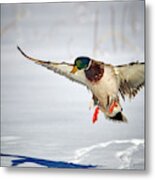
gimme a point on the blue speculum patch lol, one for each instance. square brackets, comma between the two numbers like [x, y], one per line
[18, 160]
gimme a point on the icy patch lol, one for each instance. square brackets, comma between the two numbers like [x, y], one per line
[123, 157]
[126, 156]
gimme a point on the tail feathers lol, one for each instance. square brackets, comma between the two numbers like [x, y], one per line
[119, 117]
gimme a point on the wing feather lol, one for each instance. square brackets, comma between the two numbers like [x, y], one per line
[131, 78]
[63, 68]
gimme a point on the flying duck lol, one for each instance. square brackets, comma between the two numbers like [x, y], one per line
[105, 81]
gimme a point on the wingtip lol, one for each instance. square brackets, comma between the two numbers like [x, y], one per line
[21, 51]
[19, 48]
[28, 57]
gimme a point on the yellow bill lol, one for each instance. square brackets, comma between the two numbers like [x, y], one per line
[74, 69]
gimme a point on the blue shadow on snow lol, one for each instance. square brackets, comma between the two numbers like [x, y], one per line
[44, 162]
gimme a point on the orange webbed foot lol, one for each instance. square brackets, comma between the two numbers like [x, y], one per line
[112, 106]
[95, 115]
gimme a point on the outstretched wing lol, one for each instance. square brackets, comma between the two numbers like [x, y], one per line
[63, 68]
[131, 78]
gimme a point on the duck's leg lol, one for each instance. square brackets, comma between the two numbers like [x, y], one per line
[112, 106]
[96, 112]
[112, 103]
[95, 115]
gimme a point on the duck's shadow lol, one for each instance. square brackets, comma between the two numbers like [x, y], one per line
[18, 160]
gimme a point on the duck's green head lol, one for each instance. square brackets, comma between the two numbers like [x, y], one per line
[80, 63]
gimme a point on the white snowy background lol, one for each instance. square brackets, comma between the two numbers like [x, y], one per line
[46, 116]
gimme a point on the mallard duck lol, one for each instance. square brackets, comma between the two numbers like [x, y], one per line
[105, 81]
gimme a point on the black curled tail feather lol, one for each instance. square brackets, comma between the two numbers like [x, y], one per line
[119, 117]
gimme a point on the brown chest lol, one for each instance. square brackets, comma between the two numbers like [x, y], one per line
[95, 72]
